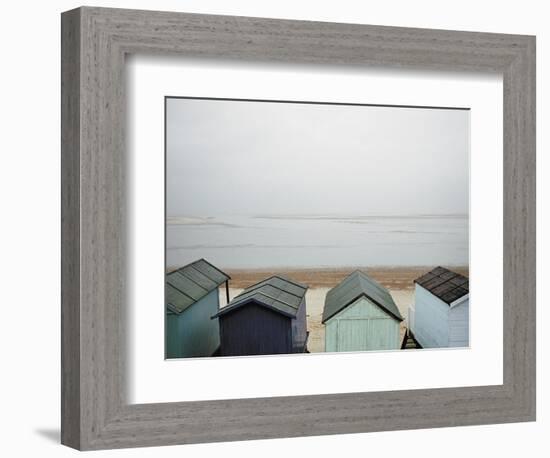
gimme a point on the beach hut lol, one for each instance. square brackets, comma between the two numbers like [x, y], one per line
[439, 316]
[360, 315]
[266, 318]
[192, 297]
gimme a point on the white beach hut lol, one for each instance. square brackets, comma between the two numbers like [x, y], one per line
[440, 314]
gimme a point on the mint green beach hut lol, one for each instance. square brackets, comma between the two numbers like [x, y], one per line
[360, 315]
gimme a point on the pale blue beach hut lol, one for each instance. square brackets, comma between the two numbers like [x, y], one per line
[192, 298]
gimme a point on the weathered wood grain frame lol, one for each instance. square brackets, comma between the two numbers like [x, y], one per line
[95, 41]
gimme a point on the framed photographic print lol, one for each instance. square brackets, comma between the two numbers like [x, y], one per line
[248, 202]
[300, 275]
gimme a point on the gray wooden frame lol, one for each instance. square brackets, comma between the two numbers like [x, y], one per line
[95, 413]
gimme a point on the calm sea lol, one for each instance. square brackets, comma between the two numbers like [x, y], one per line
[318, 241]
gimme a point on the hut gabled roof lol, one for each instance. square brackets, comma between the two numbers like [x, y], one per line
[354, 286]
[277, 293]
[191, 283]
[444, 284]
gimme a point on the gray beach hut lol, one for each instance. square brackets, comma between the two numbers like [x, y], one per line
[266, 318]
[440, 314]
[360, 315]
[192, 297]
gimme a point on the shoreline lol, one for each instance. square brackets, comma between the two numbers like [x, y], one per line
[393, 278]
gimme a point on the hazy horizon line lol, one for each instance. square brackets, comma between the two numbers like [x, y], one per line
[320, 215]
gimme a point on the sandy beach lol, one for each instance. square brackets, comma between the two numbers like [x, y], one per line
[398, 280]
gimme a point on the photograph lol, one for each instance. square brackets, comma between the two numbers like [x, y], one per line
[296, 227]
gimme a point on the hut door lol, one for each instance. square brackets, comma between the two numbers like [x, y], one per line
[353, 334]
[366, 334]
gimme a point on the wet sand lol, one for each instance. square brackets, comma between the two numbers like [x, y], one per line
[398, 280]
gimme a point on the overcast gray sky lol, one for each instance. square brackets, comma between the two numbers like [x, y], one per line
[249, 158]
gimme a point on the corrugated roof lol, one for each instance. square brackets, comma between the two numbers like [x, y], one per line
[190, 283]
[277, 293]
[354, 286]
[444, 284]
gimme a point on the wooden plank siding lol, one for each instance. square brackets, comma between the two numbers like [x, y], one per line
[193, 333]
[255, 330]
[459, 324]
[362, 326]
[437, 324]
[431, 319]
[299, 329]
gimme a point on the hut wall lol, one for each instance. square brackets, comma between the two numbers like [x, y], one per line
[459, 321]
[299, 329]
[193, 333]
[254, 330]
[431, 319]
[362, 326]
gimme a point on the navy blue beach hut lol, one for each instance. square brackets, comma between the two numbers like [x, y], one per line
[266, 318]
[192, 297]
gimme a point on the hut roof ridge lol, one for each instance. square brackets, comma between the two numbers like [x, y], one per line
[356, 285]
[276, 292]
